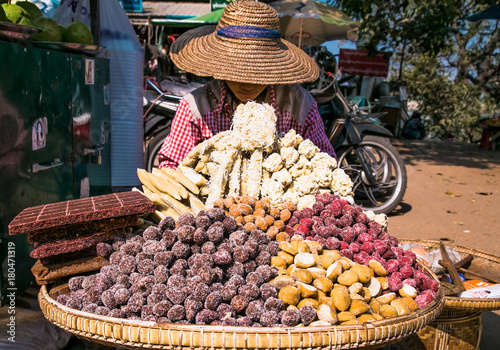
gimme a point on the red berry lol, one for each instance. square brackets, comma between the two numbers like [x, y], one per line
[345, 220]
[347, 253]
[298, 214]
[364, 237]
[317, 226]
[426, 283]
[395, 283]
[335, 207]
[398, 275]
[332, 243]
[349, 209]
[302, 229]
[325, 232]
[410, 281]
[320, 240]
[433, 285]
[307, 213]
[393, 241]
[384, 236]
[359, 228]
[361, 258]
[392, 266]
[330, 220]
[362, 218]
[343, 245]
[410, 255]
[289, 230]
[343, 202]
[404, 260]
[380, 246]
[306, 222]
[398, 251]
[423, 300]
[375, 226]
[389, 254]
[317, 208]
[347, 234]
[367, 247]
[293, 221]
[326, 213]
[355, 247]
[406, 271]
[323, 198]
[429, 292]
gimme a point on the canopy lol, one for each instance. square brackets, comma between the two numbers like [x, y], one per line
[492, 12]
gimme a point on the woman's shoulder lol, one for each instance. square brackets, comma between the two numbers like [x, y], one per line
[295, 99]
[204, 99]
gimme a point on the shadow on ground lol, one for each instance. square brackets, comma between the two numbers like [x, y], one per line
[446, 153]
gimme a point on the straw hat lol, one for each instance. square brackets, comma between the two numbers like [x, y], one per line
[245, 47]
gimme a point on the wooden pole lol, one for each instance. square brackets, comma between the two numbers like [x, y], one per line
[95, 23]
[300, 32]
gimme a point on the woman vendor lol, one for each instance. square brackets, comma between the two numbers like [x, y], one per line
[248, 60]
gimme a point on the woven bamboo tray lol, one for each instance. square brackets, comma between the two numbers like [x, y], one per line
[484, 262]
[128, 334]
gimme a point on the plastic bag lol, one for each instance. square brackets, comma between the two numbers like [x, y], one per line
[70, 11]
[48, 7]
[126, 63]
[431, 258]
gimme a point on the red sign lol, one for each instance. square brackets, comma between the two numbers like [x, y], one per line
[357, 62]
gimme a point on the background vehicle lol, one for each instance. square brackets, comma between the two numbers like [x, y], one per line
[363, 145]
[160, 103]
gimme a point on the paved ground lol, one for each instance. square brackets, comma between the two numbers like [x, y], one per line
[453, 192]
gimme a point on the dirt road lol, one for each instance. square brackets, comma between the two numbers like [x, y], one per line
[453, 192]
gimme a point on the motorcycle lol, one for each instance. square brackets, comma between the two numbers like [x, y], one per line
[363, 146]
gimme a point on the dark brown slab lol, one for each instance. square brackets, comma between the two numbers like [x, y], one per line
[82, 210]
[73, 245]
[82, 229]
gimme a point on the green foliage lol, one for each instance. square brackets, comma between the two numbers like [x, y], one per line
[452, 107]
[450, 65]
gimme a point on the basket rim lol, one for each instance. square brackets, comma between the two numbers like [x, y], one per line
[408, 324]
[472, 304]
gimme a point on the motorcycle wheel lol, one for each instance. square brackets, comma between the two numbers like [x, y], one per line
[153, 148]
[387, 168]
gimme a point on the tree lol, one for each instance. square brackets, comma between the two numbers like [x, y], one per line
[451, 65]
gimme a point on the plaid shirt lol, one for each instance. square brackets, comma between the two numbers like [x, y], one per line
[186, 132]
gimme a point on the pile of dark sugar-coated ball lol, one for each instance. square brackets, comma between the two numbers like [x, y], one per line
[204, 270]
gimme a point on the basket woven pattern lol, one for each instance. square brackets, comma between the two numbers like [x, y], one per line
[481, 260]
[150, 335]
[462, 333]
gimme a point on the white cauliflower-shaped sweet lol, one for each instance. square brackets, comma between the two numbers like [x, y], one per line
[306, 201]
[324, 160]
[308, 149]
[323, 176]
[291, 195]
[282, 176]
[305, 185]
[301, 167]
[290, 155]
[273, 163]
[341, 183]
[254, 124]
[291, 139]
[273, 190]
